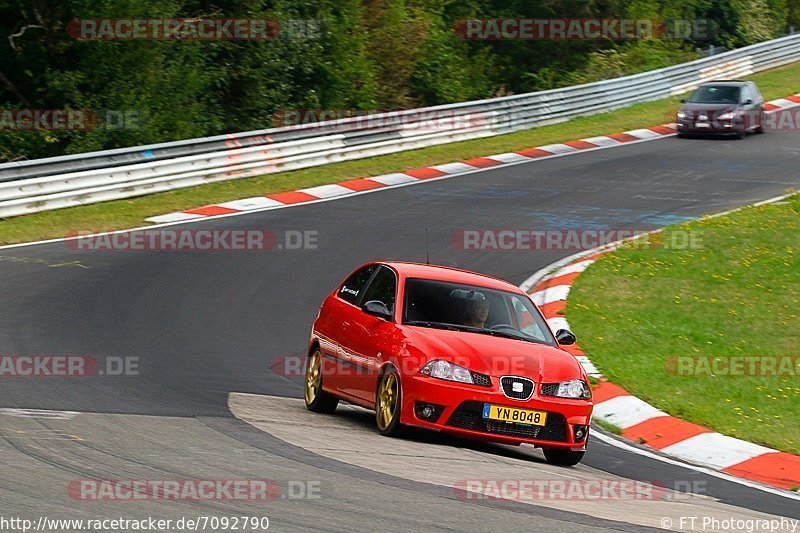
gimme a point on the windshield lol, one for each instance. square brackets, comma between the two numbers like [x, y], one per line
[715, 94]
[446, 305]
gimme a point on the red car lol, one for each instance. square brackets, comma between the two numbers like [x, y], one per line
[448, 350]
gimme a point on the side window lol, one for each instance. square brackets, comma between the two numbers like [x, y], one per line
[382, 288]
[747, 93]
[352, 288]
[756, 94]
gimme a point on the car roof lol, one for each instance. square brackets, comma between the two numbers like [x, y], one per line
[446, 273]
[733, 83]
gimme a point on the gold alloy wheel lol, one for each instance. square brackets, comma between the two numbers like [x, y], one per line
[387, 400]
[313, 377]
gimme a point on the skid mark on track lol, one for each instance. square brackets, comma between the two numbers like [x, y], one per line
[51, 263]
[39, 413]
[38, 434]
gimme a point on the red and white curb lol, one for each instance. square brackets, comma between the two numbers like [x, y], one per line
[640, 421]
[396, 179]
[782, 103]
[384, 181]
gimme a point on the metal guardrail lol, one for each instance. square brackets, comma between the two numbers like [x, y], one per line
[53, 183]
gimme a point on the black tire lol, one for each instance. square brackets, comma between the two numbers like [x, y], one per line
[558, 456]
[682, 135]
[388, 404]
[741, 134]
[317, 400]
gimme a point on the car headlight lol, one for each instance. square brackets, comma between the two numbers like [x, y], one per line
[575, 388]
[727, 116]
[446, 370]
[681, 114]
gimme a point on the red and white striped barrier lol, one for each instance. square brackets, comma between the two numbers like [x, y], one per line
[361, 185]
[396, 179]
[640, 421]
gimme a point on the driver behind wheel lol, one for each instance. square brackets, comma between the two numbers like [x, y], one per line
[477, 311]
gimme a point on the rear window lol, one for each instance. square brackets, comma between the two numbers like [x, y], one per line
[352, 287]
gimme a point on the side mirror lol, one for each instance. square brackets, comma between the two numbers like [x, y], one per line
[748, 102]
[378, 309]
[565, 337]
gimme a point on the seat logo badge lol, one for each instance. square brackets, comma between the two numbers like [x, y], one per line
[516, 386]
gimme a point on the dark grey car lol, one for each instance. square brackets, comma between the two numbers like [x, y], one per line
[722, 107]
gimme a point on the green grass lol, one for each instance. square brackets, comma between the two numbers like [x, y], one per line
[608, 426]
[738, 293]
[133, 212]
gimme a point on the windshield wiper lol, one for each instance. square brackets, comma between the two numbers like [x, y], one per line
[474, 329]
[507, 335]
[440, 325]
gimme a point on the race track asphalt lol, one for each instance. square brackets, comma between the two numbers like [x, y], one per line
[205, 324]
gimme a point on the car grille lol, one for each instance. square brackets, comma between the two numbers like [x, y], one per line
[469, 415]
[507, 383]
[481, 380]
[549, 389]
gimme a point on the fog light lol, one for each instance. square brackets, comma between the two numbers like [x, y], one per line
[580, 433]
[428, 412]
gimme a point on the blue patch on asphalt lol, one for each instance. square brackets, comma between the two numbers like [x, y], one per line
[598, 218]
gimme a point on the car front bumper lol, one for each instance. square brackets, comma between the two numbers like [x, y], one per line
[459, 411]
[687, 126]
